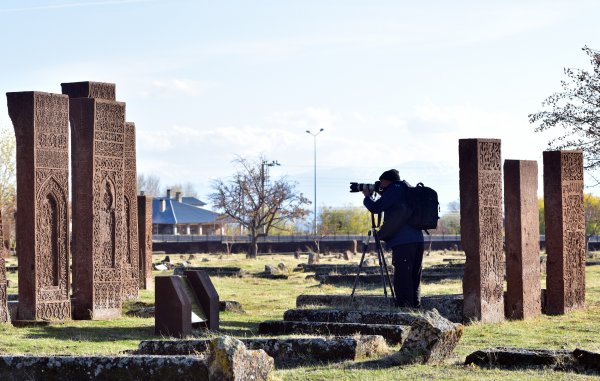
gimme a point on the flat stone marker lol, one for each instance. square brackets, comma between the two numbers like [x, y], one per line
[350, 316]
[565, 231]
[211, 271]
[393, 334]
[520, 357]
[480, 182]
[523, 296]
[41, 123]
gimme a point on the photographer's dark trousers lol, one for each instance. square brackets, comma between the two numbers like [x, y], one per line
[408, 260]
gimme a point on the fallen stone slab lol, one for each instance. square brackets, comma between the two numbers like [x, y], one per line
[327, 269]
[393, 334]
[587, 359]
[286, 352]
[228, 359]
[432, 339]
[522, 358]
[587, 263]
[147, 368]
[350, 316]
[449, 306]
[211, 271]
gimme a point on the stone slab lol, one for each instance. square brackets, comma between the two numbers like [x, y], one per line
[211, 271]
[144, 204]
[393, 334]
[173, 308]
[480, 183]
[207, 296]
[350, 316]
[520, 358]
[90, 89]
[122, 368]
[449, 306]
[285, 351]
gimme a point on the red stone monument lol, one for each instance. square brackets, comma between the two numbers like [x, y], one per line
[145, 241]
[480, 182]
[41, 128]
[99, 226]
[565, 231]
[131, 268]
[4, 314]
[523, 296]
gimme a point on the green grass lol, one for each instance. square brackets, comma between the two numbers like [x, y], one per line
[265, 299]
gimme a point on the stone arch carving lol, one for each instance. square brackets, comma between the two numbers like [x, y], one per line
[51, 235]
[107, 226]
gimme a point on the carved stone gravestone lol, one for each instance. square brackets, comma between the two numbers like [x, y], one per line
[131, 268]
[480, 182]
[4, 315]
[144, 204]
[523, 296]
[207, 296]
[41, 128]
[173, 307]
[565, 231]
[97, 136]
[3, 241]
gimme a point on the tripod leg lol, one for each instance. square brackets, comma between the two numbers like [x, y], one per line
[383, 265]
[362, 259]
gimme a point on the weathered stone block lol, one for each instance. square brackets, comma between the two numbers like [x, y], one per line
[480, 182]
[520, 357]
[228, 359]
[350, 316]
[431, 339]
[565, 231]
[41, 123]
[523, 296]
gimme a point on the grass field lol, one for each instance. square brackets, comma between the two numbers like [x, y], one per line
[265, 299]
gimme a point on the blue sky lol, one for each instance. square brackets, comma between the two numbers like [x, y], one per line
[394, 84]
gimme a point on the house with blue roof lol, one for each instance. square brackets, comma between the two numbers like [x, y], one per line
[183, 216]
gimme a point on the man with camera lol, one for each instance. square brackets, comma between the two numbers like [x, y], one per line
[405, 241]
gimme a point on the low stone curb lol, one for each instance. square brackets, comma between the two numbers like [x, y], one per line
[508, 357]
[393, 334]
[350, 316]
[122, 368]
[211, 271]
[286, 351]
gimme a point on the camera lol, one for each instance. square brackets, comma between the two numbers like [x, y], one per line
[373, 188]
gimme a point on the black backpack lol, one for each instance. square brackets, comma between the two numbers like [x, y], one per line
[425, 206]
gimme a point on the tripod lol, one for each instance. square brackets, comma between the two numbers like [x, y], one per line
[385, 279]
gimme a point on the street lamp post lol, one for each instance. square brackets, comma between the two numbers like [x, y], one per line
[315, 177]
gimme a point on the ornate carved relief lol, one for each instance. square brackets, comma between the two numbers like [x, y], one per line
[41, 128]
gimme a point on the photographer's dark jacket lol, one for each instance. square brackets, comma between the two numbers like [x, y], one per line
[393, 196]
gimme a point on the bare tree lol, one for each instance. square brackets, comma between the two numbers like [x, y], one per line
[187, 189]
[149, 184]
[257, 203]
[577, 111]
[8, 171]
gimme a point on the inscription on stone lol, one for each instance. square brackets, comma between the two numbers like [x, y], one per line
[523, 296]
[565, 231]
[481, 228]
[41, 129]
[99, 223]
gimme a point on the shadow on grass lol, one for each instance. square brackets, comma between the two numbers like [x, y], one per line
[92, 334]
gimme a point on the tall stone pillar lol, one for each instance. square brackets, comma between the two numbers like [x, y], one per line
[522, 227]
[480, 182]
[565, 231]
[131, 269]
[4, 314]
[41, 123]
[97, 141]
[145, 241]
